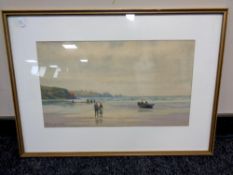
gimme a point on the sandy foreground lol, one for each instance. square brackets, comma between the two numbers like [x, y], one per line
[115, 116]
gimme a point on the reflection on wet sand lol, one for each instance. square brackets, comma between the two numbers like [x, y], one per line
[116, 113]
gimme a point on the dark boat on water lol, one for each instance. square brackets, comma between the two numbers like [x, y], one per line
[145, 105]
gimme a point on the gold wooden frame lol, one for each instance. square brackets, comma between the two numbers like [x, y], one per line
[8, 13]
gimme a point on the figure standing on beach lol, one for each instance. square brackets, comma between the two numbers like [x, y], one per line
[96, 107]
[101, 109]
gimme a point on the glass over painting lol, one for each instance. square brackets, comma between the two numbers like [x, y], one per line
[115, 83]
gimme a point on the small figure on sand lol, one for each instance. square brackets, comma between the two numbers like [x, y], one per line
[98, 109]
[101, 110]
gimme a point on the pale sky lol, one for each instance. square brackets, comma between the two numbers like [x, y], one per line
[133, 68]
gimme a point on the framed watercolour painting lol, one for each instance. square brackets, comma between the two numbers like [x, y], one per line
[115, 82]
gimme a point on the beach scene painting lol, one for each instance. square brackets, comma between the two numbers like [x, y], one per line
[116, 83]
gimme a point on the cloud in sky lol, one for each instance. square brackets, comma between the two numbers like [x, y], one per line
[136, 68]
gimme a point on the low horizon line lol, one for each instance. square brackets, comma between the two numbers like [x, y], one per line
[119, 94]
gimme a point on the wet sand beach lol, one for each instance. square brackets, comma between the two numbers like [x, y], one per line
[116, 114]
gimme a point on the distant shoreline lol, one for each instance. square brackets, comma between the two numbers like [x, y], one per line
[53, 92]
